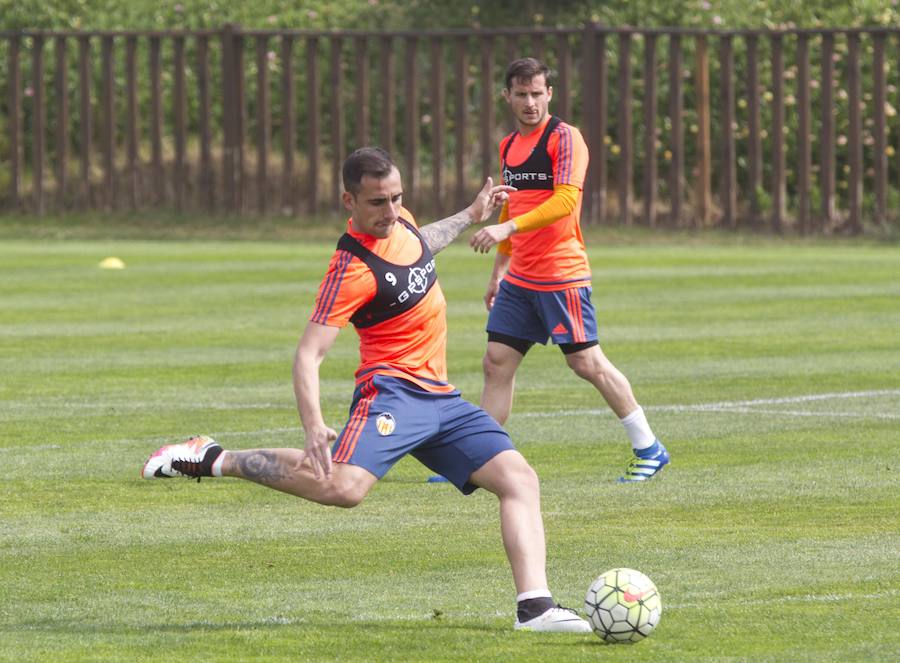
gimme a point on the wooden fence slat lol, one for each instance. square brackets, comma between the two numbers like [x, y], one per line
[595, 102]
[854, 142]
[156, 121]
[239, 119]
[40, 121]
[462, 102]
[437, 124]
[288, 120]
[599, 149]
[649, 103]
[565, 77]
[62, 120]
[488, 149]
[313, 110]
[827, 141]
[626, 144]
[538, 47]
[131, 126]
[804, 143]
[109, 122]
[895, 57]
[676, 141]
[729, 155]
[754, 135]
[15, 121]
[84, 95]
[228, 122]
[704, 147]
[513, 51]
[779, 189]
[362, 93]
[413, 121]
[337, 120]
[207, 177]
[388, 95]
[263, 119]
[589, 115]
[879, 129]
[180, 103]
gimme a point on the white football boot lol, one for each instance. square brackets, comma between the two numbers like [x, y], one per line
[555, 620]
[180, 460]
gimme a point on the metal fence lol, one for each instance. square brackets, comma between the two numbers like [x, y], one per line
[789, 129]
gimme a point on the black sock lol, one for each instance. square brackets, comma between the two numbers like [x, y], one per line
[212, 454]
[531, 608]
[194, 469]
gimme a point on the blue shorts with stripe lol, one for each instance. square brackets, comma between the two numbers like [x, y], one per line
[391, 417]
[562, 316]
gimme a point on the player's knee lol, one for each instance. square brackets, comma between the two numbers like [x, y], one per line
[346, 499]
[489, 365]
[585, 365]
[345, 494]
[522, 478]
[529, 479]
[495, 369]
[581, 366]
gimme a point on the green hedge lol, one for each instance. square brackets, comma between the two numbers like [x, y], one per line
[398, 14]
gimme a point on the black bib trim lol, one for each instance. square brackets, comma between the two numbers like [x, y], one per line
[398, 287]
[536, 172]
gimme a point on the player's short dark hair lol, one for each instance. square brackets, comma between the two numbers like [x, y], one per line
[372, 161]
[524, 69]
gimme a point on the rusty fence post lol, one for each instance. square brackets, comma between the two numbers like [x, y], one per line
[704, 148]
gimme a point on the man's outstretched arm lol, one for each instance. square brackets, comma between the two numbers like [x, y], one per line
[311, 350]
[560, 204]
[439, 234]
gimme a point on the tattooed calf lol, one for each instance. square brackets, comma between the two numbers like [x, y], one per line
[261, 466]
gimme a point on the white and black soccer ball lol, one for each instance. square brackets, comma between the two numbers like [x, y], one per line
[623, 605]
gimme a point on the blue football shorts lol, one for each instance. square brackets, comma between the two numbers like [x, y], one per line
[565, 317]
[391, 417]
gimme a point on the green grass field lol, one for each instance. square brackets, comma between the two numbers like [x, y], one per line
[771, 369]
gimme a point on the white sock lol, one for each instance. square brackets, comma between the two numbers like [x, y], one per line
[534, 594]
[216, 468]
[638, 429]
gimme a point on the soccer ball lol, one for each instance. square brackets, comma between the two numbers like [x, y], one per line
[623, 605]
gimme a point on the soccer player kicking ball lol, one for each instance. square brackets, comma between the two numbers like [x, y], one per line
[382, 279]
[540, 287]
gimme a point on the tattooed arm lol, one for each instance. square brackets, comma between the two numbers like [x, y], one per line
[439, 234]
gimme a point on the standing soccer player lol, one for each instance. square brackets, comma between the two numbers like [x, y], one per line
[540, 287]
[382, 279]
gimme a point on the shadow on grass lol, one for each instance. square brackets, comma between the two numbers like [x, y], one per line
[376, 629]
[321, 638]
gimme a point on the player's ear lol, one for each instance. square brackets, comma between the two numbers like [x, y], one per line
[506, 94]
[549, 92]
[348, 199]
